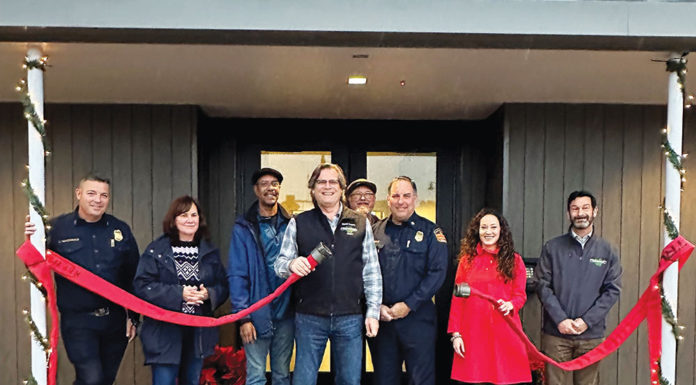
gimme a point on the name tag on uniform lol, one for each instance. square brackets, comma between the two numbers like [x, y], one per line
[68, 240]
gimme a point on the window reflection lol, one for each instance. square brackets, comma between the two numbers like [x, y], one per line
[296, 168]
[382, 167]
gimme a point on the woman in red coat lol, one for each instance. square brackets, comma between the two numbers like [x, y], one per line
[486, 349]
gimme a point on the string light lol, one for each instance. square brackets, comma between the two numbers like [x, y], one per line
[39, 124]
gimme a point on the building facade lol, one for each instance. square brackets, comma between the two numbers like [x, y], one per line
[516, 103]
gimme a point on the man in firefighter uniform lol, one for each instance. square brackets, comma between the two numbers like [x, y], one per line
[413, 260]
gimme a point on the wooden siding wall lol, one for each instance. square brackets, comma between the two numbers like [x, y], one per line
[613, 151]
[148, 152]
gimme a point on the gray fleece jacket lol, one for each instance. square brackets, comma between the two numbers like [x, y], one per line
[574, 282]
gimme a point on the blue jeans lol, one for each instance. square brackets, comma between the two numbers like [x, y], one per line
[311, 334]
[279, 344]
[188, 374]
[188, 370]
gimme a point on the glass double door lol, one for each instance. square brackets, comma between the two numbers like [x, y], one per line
[457, 166]
[297, 163]
[380, 168]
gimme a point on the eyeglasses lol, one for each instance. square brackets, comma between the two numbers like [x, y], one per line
[265, 184]
[365, 195]
[332, 182]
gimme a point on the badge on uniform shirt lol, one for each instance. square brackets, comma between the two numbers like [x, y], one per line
[439, 235]
[419, 236]
[118, 236]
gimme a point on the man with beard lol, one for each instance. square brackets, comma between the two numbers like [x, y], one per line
[578, 281]
[254, 247]
[360, 196]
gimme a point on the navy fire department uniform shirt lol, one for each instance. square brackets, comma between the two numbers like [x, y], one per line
[413, 260]
[106, 248]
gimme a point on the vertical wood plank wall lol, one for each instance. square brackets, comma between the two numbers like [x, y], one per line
[613, 151]
[148, 152]
[151, 155]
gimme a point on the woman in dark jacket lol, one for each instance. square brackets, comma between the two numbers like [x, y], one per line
[180, 271]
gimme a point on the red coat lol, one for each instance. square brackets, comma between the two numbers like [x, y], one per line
[493, 352]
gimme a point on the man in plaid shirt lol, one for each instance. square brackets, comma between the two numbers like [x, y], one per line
[329, 301]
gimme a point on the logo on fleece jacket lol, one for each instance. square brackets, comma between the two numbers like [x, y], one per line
[598, 261]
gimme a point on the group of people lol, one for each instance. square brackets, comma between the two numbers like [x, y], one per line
[379, 283]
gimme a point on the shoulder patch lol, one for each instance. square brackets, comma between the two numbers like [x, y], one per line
[439, 235]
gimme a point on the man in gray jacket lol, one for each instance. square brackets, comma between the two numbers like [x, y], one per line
[578, 281]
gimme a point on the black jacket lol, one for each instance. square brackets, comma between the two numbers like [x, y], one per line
[156, 281]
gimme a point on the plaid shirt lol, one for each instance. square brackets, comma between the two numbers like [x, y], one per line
[371, 274]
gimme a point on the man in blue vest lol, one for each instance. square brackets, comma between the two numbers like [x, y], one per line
[254, 247]
[413, 259]
[329, 301]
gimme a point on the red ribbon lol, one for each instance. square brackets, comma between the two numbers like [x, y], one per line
[35, 262]
[41, 268]
[649, 306]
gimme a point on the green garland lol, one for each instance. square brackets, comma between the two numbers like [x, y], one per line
[30, 381]
[663, 380]
[29, 276]
[668, 316]
[31, 115]
[39, 64]
[35, 332]
[678, 65]
[36, 203]
[669, 225]
[674, 158]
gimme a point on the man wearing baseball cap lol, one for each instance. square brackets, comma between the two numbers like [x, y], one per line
[254, 247]
[360, 196]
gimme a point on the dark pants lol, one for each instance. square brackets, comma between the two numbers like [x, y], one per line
[410, 340]
[565, 349]
[95, 345]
